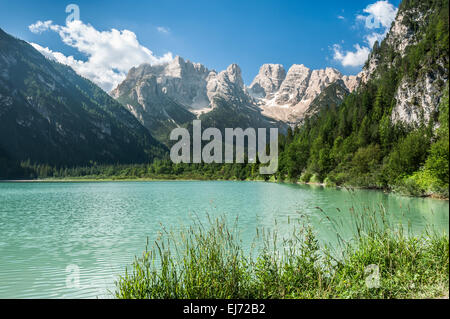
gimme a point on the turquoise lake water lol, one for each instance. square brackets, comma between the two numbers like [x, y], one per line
[53, 233]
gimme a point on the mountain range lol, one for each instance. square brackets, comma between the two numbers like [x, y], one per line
[49, 114]
[166, 96]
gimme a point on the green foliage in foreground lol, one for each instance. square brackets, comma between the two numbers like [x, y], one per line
[210, 263]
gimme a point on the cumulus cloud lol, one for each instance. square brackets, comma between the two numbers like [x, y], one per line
[105, 78]
[109, 54]
[377, 20]
[379, 14]
[351, 58]
[40, 26]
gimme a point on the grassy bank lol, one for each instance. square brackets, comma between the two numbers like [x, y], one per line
[209, 261]
[408, 190]
[165, 178]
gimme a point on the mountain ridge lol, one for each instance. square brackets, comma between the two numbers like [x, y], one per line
[275, 98]
[193, 91]
[49, 114]
[291, 95]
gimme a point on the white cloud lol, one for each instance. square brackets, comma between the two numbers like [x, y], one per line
[380, 14]
[109, 54]
[164, 30]
[40, 26]
[341, 18]
[349, 58]
[377, 20]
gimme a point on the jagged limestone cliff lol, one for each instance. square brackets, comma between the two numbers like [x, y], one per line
[414, 49]
[171, 95]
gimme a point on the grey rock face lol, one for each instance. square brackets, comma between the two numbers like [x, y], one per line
[190, 85]
[294, 86]
[227, 85]
[416, 99]
[288, 99]
[275, 93]
[268, 80]
[166, 96]
[331, 97]
[182, 81]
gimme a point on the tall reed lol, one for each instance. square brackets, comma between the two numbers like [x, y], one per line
[209, 262]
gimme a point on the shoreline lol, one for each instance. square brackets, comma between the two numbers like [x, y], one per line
[105, 180]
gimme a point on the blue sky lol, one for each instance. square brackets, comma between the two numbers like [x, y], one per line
[215, 33]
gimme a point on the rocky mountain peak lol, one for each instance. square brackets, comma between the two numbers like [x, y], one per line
[280, 95]
[235, 75]
[287, 96]
[351, 81]
[176, 67]
[297, 73]
[171, 95]
[179, 68]
[298, 69]
[180, 80]
[227, 84]
[319, 80]
[268, 80]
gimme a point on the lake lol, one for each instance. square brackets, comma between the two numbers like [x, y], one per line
[51, 232]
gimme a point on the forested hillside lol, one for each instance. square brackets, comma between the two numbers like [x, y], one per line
[362, 142]
[50, 115]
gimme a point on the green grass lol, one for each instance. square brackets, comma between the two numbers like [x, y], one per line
[210, 262]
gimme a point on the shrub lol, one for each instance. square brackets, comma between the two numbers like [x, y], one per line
[305, 177]
[329, 182]
[315, 179]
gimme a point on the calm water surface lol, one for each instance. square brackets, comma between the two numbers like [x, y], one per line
[50, 231]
